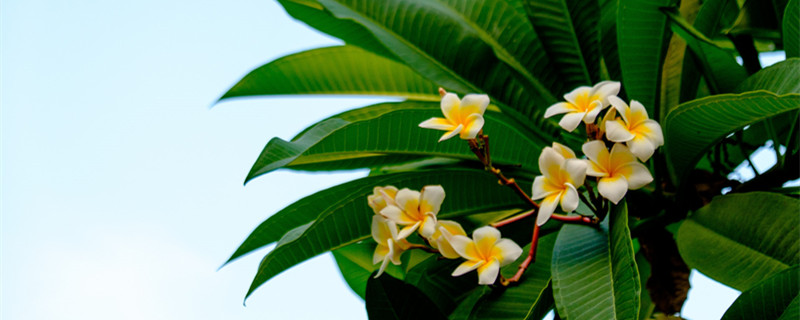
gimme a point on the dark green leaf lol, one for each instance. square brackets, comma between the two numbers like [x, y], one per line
[695, 126]
[356, 267]
[791, 29]
[342, 217]
[389, 133]
[594, 270]
[641, 31]
[344, 70]
[721, 71]
[392, 299]
[768, 299]
[780, 78]
[608, 39]
[741, 239]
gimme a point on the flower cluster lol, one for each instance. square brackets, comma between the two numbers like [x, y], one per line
[399, 213]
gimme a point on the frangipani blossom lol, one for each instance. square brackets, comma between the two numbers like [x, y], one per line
[463, 117]
[416, 210]
[618, 170]
[583, 103]
[381, 197]
[486, 251]
[384, 232]
[558, 183]
[564, 151]
[641, 134]
[439, 240]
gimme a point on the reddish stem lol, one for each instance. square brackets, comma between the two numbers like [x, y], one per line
[578, 218]
[514, 218]
[528, 260]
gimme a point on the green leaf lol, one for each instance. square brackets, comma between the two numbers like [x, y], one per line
[532, 298]
[741, 239]
[608, 39]
[674, 64]
[392, 299]
[335, 70]
[594, 270]
[559, 24]
[641, 31]
[342, 217]
[768, 299]
[432, 37]
[695, 126]
[389, 133]
[780, 78]
[721, 71]
[792, 312]
[791, 29]
[355, 264]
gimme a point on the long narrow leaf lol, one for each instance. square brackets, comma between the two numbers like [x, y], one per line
[769, 299]
[791, 29]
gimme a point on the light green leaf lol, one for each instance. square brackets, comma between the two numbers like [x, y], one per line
[342, 217]
[769, 299]
[392, 299]
[674, 61]
[355, 265]
[559, 24]
[695, 126]
[741, 239]
[641, 31]
[344, 70]
[721, 71]
[389, 133]
[780, 78]
[432, 37]
[594, 270]
[791, 29]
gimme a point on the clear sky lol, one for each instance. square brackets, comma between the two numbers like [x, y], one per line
[122, 189]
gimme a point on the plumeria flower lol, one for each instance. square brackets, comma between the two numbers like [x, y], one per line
[416, 210]
[559, 181]
[618, 170]
[641, 134]
[381, 197]
[445, 229]
[463, 117]
[583, 103]
[486, 251]
[384, 232]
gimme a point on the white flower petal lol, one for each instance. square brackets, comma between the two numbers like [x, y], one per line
[380, 230]
[408, 230]
[474, 103]
[642, 148]
[563, 150]
[450, 107]
[594, 109]
[487, 273]
[546, 208]
[386, 258]
[569, 199]
[571, 120]
[558, 108]
[539, 190]
[576, 169]
[431, 199]
[485, 236]
[443, 242]
[620, 105]
[464, 246]
[550, 162]
[595, 150]
[606, 89]
[396, 214]
[572, 95]
[638, 175]
[654, 132]
[506, 251]
[616, 131]
[613, 188]
[451, 134]
[428, 226]
[467, 266]
[437, 124]
[638, 110]
[473, 127]
[620, 155]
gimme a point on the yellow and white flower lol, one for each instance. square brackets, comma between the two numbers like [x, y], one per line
[486, 252]
[444, 230]
[641, 134]
[619, 171]
[384, 232]
[583, 104]
[416, 210]
[381, 197]
[463, 117]
[561, 176]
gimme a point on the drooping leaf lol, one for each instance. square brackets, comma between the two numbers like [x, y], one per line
[392, 299]
[768, 299]
[568, 30]
[741, 239]
[721, 71]
[345, 70]
[608, 39]
[594, 270]
[791, 29]
[641, 32]
[695, 126]
[432, 37]
[674, 60]
[343, 217]
[780, 78]
[389, 133]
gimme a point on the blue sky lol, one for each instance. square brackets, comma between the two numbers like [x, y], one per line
[122, 189]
